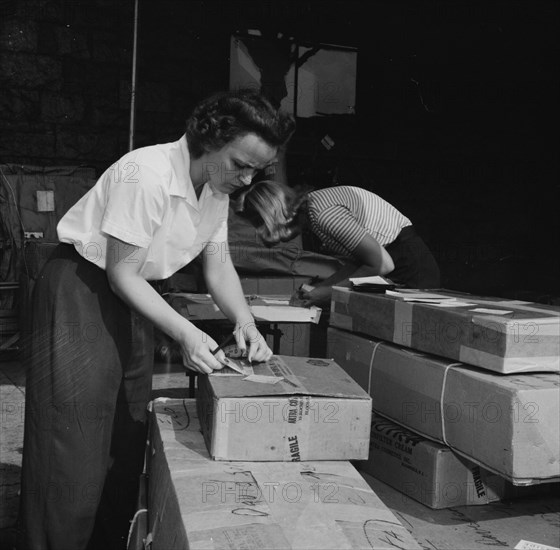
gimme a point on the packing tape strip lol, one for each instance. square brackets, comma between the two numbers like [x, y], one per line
[441, 401]
[402, 327]
[341, 295]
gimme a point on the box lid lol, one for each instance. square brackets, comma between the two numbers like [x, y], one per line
[501, 335]
[298, 376]
[480, 309]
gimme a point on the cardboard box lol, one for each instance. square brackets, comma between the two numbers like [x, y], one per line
[507, 424]
[313, 411]
[198, 503]
[527, 339]
[432, 473]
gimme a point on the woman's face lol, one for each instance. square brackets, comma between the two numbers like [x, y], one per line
[234, 165]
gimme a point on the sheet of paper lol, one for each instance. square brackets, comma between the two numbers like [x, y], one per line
[490, 311]
[234, 368]
[454, 303]
[528, 545]
[233, 365]
[373, 280]
[408, 296]
[430, 298]
[434, 301]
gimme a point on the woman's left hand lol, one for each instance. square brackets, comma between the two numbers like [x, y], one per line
[250, 341]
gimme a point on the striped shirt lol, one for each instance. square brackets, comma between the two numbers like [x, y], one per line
[341, 217]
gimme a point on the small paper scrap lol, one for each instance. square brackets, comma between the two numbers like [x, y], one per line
[440, 302]
[424, 296]
[263, 379]
[275, 302]
[491, 311]
[528, 545]
[234, 366]
[373, 280]
[454, 303]
[428, 300]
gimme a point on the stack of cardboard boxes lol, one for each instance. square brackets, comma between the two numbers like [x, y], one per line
[465, 391]
[262, 460]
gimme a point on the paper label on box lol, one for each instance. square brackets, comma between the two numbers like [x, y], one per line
[490, 311]
[528, 545]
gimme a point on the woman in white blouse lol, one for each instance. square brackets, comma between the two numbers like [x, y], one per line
[89, 377]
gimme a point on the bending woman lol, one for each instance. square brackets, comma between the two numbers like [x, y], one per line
[90, 372]
[371, 234]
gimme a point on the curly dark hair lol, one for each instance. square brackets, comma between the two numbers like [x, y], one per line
[224, 116]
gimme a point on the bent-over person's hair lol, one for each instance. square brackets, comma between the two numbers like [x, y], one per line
[272, 208]
[222, 117]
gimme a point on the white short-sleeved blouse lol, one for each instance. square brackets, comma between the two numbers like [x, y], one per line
[147, 199]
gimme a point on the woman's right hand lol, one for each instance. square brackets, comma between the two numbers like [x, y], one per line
[319, 296]
[196, 349]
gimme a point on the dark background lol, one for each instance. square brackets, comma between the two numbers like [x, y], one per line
[456, 111]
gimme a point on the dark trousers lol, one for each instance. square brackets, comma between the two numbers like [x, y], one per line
[88, 384]
[415, 267]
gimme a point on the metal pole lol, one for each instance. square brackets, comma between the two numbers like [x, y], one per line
[133, 83]
[296, 83]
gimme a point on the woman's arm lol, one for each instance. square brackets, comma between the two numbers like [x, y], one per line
[372, 258]
[373, 255]
[224, 286]
[123, 271]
